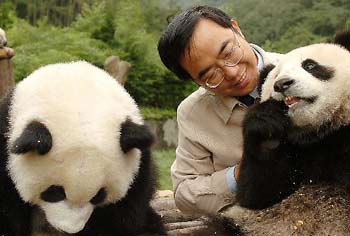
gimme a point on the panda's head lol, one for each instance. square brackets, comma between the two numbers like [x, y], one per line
[314, 83]
[74, 141]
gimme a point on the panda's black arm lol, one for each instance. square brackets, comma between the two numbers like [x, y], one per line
[266, 171]
[264, 183]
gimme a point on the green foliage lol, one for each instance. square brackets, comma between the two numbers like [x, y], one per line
[281, 25]
[157, 13]
[295, 37]
[149, 82]
[157, 113]
[55, 12]
[163, 160]
[38, 46]
[6, 14]
[106, 32]
[91, 19]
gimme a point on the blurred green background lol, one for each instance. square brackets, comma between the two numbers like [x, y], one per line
[164, 158]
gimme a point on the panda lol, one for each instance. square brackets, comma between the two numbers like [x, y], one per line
[75, 157]
[300, 132]
[3, 40]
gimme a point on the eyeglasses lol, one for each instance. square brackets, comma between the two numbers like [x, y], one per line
[232, 58]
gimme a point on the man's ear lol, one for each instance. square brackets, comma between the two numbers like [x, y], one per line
[235, 25]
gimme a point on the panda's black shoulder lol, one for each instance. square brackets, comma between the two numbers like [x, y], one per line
[263, 75]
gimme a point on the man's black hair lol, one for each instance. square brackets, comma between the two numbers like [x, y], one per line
[177, 35]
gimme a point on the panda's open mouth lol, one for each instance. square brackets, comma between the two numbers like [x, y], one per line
[291, 101]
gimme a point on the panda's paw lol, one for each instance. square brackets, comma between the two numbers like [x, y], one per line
[265, 125]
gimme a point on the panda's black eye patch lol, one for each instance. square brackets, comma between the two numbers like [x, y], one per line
[53, 193]
[318, 71]
[35, 137]
[310, 65]
[99, 197]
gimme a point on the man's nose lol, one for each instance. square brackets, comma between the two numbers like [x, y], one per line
[230, 73]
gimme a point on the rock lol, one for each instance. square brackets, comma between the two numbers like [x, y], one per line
[117, 68]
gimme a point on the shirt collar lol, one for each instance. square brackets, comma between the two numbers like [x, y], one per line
[223, 106]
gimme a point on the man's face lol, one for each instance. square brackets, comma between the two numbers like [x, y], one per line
[209, 47]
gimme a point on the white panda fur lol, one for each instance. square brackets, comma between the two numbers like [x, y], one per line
[63, 104]
[3, 39]
[331, 104]
[83, 108]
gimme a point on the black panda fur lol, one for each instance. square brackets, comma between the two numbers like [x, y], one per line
[130, 216]
[279, 156]
[14, 213]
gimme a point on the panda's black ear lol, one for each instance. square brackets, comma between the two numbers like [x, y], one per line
[262, 76]
[35, 137]
[343, 39]
[133, 135]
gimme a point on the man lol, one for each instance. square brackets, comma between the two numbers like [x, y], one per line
[202, 44]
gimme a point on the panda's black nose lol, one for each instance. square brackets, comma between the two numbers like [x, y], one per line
[54, 193]
[283, 84]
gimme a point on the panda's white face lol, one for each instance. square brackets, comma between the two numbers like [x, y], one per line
[314, 83]
[82, 108]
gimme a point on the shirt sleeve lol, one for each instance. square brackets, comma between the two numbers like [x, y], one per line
[230, 179]
[198, 188]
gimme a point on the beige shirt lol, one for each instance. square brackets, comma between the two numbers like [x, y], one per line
[209, 142]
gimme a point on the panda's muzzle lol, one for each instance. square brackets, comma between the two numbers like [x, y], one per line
[291, 101]
[283, 84]
[56, 193]
[65, 215]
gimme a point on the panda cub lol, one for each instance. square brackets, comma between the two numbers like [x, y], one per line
[74, 157]
[300, 132]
